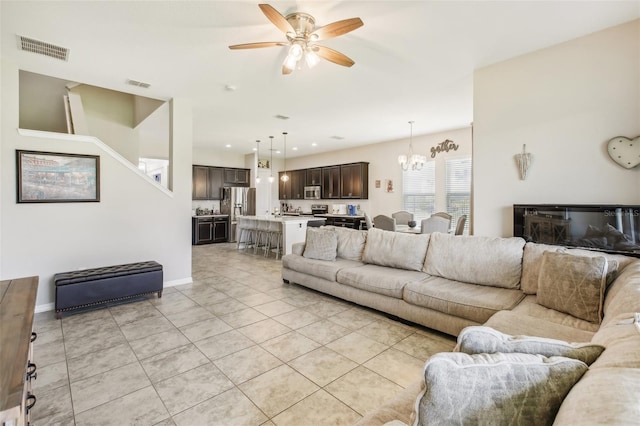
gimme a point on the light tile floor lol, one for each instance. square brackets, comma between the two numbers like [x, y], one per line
[236, 347]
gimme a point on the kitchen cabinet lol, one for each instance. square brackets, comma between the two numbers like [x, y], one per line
[354, 181]
[313, 177]
[293, 189]
[207, 183]
[209, 229]
[331, 182]
[237, 177]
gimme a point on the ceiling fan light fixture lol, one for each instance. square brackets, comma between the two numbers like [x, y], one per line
[311, 58]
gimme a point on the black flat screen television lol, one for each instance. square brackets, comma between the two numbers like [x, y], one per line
[608, 228]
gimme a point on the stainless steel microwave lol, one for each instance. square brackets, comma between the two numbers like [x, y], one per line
[312, 192]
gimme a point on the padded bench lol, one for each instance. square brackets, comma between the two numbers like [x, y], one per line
[79, 289]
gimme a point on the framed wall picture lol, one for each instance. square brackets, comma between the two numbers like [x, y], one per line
[51, 177]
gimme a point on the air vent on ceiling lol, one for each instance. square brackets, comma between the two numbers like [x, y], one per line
[43, 48]
[338, 138]
[138, 84]
[281, 117]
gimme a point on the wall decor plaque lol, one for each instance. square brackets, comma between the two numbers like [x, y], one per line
[625, 151]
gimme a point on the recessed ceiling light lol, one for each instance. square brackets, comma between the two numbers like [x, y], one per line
[227, 146]
[255, 149]
[281, 117]
[314, 144]
[278, 152]
[295, 148]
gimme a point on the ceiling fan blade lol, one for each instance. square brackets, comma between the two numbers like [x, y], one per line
[257, 45]
[333, 56]
[276, 18]
[336, 29]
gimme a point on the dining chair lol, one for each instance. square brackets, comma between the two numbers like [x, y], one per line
[444, 215]
[434, 224]
[402, 217]
[460, 225]
[384, 222]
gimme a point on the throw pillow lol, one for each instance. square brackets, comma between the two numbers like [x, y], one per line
[395, 249]
[573, 284]
[321, 244]
[481, 339]
[350, 243]
[495, 389]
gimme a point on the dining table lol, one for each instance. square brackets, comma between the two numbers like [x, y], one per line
[408, 230]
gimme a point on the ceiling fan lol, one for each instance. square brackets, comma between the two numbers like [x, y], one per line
[301, 32]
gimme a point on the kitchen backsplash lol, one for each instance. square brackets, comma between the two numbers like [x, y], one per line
[213, 205]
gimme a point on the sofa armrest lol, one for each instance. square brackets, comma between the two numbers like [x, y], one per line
[297, 248]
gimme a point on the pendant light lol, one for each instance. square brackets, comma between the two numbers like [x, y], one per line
[258, 161]
[411, 161]
[285, 177]
[271, 161]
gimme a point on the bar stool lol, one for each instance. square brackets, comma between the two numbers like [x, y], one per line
[247, 232]
[262, 235]
[275, 236]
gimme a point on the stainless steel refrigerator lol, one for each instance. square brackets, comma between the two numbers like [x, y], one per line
[237, 201]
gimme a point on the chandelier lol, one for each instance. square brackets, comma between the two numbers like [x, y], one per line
[271, 161]
[284, 176]
[258, 161]
[411, 161]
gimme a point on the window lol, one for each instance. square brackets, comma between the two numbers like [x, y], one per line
[419, 191]
[458, 189]
[443, 185]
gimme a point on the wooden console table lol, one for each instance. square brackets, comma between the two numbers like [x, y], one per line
[17, 306]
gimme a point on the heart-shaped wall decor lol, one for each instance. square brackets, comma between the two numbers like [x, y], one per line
[625, 151]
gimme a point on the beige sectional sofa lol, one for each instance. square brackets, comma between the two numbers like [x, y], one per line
[449, 282]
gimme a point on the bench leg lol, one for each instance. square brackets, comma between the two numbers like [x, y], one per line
[160, 294]
[58, 315]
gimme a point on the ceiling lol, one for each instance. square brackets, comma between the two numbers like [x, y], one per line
[414, 60]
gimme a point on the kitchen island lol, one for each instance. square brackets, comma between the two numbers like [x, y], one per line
[294, 228]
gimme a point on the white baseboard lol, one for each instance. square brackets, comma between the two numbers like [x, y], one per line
[45, 307]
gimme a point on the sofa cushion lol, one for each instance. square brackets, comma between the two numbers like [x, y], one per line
[532, 260]
[573, 284]
[621, 336]
[350, 242]
[464, 300]
[321, 244]
[516, 322]
[317, 268]
[481, 339]
[395, 249]
[495, 262]
[379, 279]
[604, 396]
[490, 389]
[623, 296]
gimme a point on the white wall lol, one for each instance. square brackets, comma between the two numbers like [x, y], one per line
[565, 102]
[213, 157]
[135, 219]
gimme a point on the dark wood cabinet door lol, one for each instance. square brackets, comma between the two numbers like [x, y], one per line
[313, 177]
[237, 177]
[220, 230]
[216, 182]
[284, 188]
[354, 181]
[200, 183]
[297, 180]
[331, 182]
[205, 231]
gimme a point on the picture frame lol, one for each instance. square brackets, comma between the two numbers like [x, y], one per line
[54, 177]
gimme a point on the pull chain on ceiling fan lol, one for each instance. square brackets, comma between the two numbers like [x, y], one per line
[301, 32]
